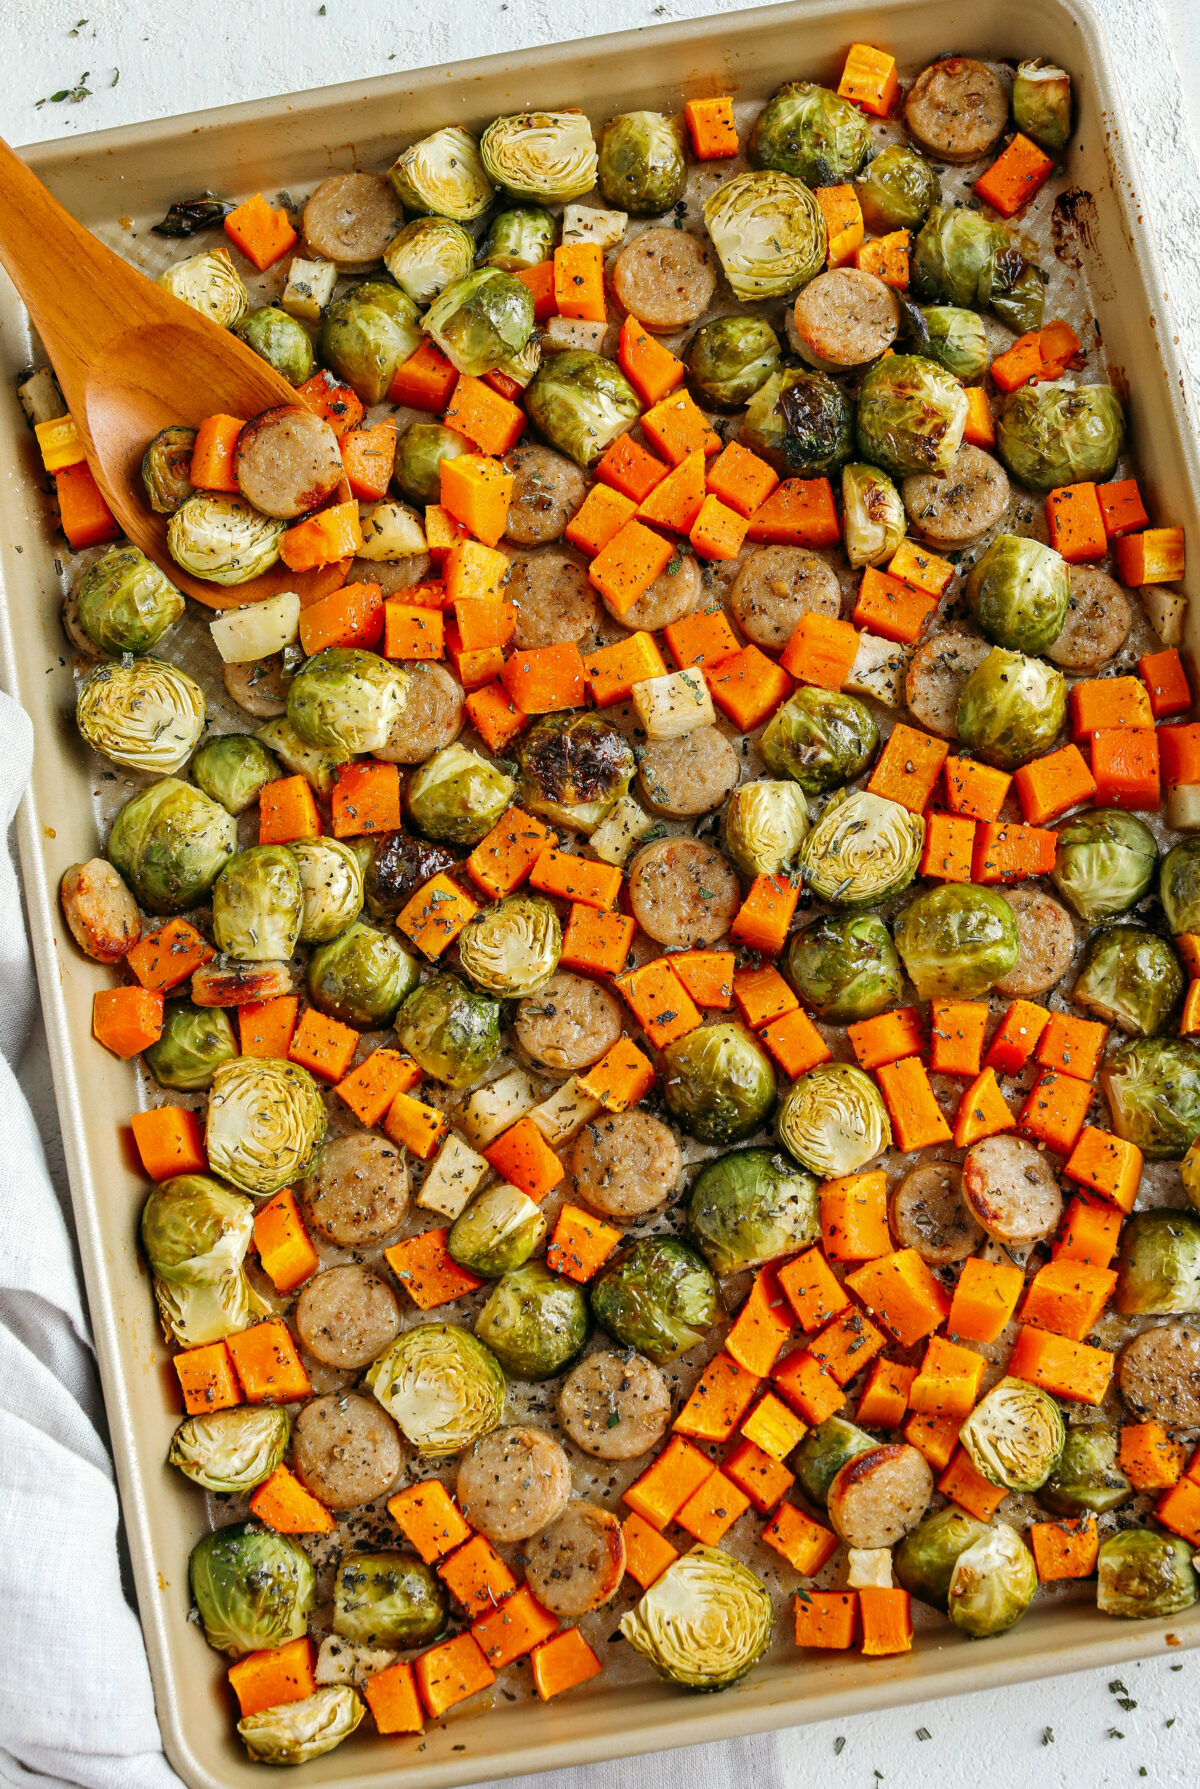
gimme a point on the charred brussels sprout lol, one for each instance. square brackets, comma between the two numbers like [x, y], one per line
[233, 769]
[420, 453]
[252, 1588]
[346, 700]
[730, 358]
[257, 901]
[512, 948]
[642, 170]
[518, 239]
[297, 1732]
[282, 342]
[1104, 862]
[195, 1233]
[231, 1451]
[911, 415]
[1179, 886]
[366, 336]
[541, 156]
[719, 1083]
[765, 824]
[223, 539]
[1152, 1086]
[497, 1232]
[821, 739]
[822, 1454]
[443, 174]
[394, 866]
[749, 1208]
[993, 1583]
[657, 1296]
[458, 795]
[428, 255]
[387, 1599]
[1143, 1575]
[1051, 435]
[1018, 593]
[845, 969]
[574, 768]
[1012, 707]
[266, 1121]
[195, 1041]
[955, 338]
[957, 940]
[801, 422]
[811, 133]
[331, 884]
[924, 1561]
[581, 402]
[481, 320]
[167, 473]
[1041, 104]
[442, 1386]
[124, 603]
[1129, 978]
[962, 259]
[170, 843]
[896, 190]
[833, 1120]
[769, 234]
[535, 1322]
[863, 849]
[210, 284]
[704, 1623]
[1088, 1478]
[1015, 1435]
[141, 712]
[360, 976]
[874, 522]
[1158, 1267]
[451, 1031]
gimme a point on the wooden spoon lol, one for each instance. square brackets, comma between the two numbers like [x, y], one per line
[132, 359]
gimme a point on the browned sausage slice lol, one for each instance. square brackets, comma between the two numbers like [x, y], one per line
[776, 588]
[956, 109]
[432, 715]
[240, 984]
[929, 1214]
[1159, 1375]
[626, 1164]
[683, 893]
[101, 912]
[357, 1192]
[569, 1025]
[666, 278]
[548, 491]
[676, 592]
[1012, 1190]
[554, 601]
[689, 775]
[345, 1316]
[260, 686]
[578, 1562]
[1098, 621]
[346, 1449]
[1047, 944]
[844, 318]
[287, 461]
[350, 219]
[392, 575]
[513, 1482]
[878, 1497]
[937, 675]
[615, 1406]
[950, 509]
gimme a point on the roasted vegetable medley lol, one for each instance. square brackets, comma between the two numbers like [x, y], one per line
[669, 989]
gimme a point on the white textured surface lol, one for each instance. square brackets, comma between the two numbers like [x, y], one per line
[1069, 1732]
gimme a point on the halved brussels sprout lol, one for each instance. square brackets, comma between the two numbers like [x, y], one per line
[443, 174]
[541, 156]
[142, 713]
[957, 940]
[233, 769]
[195, 1233]
[450, 1030]
[1179, 886]
[911, 415]
[1104, 862]
[993, 1583]
[1088, 1478]
[170, 843]
[519, 238]
[420, 453]
[845, 969]
[1130, 978]
[1152, 1086]
[863, 849]
[480, 320]
[730, 358]
[511, 948]
[1041, 103]
[750, 1207]
[1012, 707]
[318, 765]
[574, 768]
[1158, 1266]
[366, 336]
[960, 258]
[167, 473]
[704, 1623]
[266, 1121]
[223, 539]
[458, 795]
[833, 1120]
[1015, 1435]
[282, 342]
[210, 284]
[822, 1454]
[195, 1041]
[924, 1561]
[535, 1322]
[331, 882]
[820, 738]
[896, 190]
[581, 402]
[360, 976]
[346, 700]
[497, 1232]
[1018, 592]
[1051, 435]
[1189, 1173]
[719, 1082]
[428, 255]
[764, 827]
[1143, 1575]
[442, 1387]
[252, 1588]
[124, 603]
[955, 338]
[812, 133]
[387, 1599]
[801, 422]
[641, 168]
[874, 522]
[296, 1732]
[231, 1451]
[257, 901]
[657, 1296]
[768, 231]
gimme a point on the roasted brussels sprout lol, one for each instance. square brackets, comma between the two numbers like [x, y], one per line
[387, 1599]
[657, 1296]
[769, 233]
[1179, 886]
[458, 795]
[1158, 1265]
[481, 320]
[1018, 592]
[394, 866]
[1015, 1435]
[257, 901]
[924, 1561]
[512, 948]
[231, 1451]
[704, 1623]
[518, 239]
[833, 1120]
[124, 603]
[360, 976]
[1051, 435]
[428, 255]
[318, 765]
[497, 1232]
[420, 452]
[958, 939]
[863, 849]
[845, 969]
[1012, 707]
[266, 1121]
[801, 422]
[170, 843]
[750, 1207]
[730, 358]
[874, 522]
[822, 1454]
[896, 190]
[574, 768]
[641, 169]
[233, 768]
[195, 1233]
[444, 175]
[331, 883]
[1152, 1086]
[1041, 104]
[1189, 1173]
[955, 338]
[911, 415]
[1143, 1575]
[535, 1322]
[1104, 862]
[166, 475]
[141, 712]
[1129, 978]
[210, 284]
[993, 1583]
[719, 1083]
[581, 402]
[252, 1588]
[282, 342]
[195, 1041]
[1088, 1478]
[543, 157]
[223, 539]
[450, 1030]
[297, 1732]
[442, 1386]
[820, 738]
[960, 258]
[765, 824]
[366, 336]
[346, 700]
[811, 133]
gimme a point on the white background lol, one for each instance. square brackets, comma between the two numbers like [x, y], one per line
[146, 60]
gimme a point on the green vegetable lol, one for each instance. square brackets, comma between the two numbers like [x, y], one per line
[428, 255]
[252, 1588]
[519, 238]
[366, 336]
[751, 1207]
[657, 1296]
[820, 738]
[864, 849]
[331, 884]
[960, 258]
[124, 603]
[361, 976]
[1041, 104]
[764, 827]
[730, 358]
[993, 1583]
[1011, 708]
[1088, 1478]
[296, 1732]
[167, 478]
[768, 232]
[511, 949]
[1158, 1264]
[541, 156]
[222, 538]
[141, 712]
[873, 518]
[266, 1121]
[845, 968]
[210, 284]
[1129, 978]
[801, 422]
[1051, 435]
[257, 901]
[1104, 862]
[442, 1386]
[1153, 1090]
[1019, 592]
[346, 700]
[318, 765]
[811, 133]
[282, 342]
[497, 1232]
[386, 1599]
[911, 415]
[924, 1561]
[450, 1030]
[421, 452]
[719, 1083]
[195, 1233]
[955, 338]
[231, 1451]
[833, 1120]
[170, 843]
[823, 1452]
[957, 940]
[1143, 1575]
[443, 174]
[458, 795]
[642, 170]
[195, 1041]
[580, 402]
[573, 768]
[704, 1623]
[233, 768]
[1015, 1435]
[896, 190]
[1179, 886]
[481, 320]
[535, 1322]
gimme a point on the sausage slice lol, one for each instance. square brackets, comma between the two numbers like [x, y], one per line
[937, 675]
[548, 491]
[615, 1406]
[99, 909]
[554, 601]
[346, 1450]
[626, 1164]
[1047, 944]
[259, 686]
[683, 893]
[1159, 1375]
[950, 509]
[432, 715]
[676, 592]
[240, 984]
[956, 109]
[569, 1025]
[357, 1192]
[1098, 621]
[350, 219]
[1012, 1190]
[845, 318]
[689, 775]
[666, 278]
[929, 1214]
[578, 1562]
[346, 1316]
[776, 588]
[287, 461]
[513, 1482]
[880, 1496]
